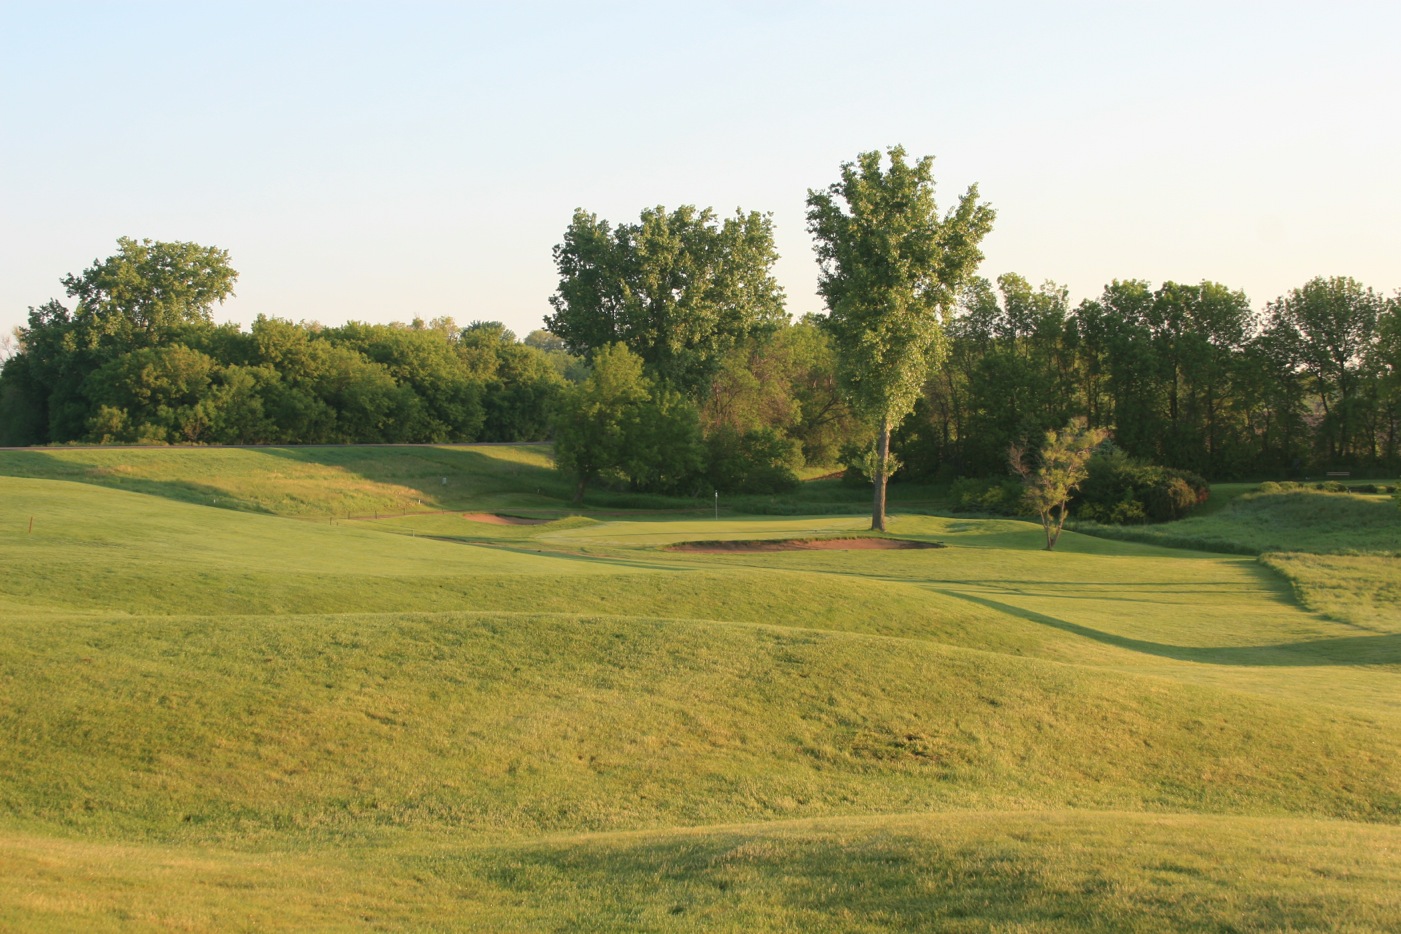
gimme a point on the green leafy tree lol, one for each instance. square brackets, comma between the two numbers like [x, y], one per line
[1197, 333]
[891, 268]
[149, 289]
[680, 288]
[1336, 321]
[331, 393]
[521, 381]
[1119, 318]
[1061, 466]
[662, 447]
[153, 395]
[761, 460]
[145, 295]
[619, 423]
[446, 404]
[591, 430]
[1386, 364]
[1008, 348]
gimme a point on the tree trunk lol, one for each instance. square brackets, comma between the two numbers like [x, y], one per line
[882, 459]
[1053, 526]
[579, 491]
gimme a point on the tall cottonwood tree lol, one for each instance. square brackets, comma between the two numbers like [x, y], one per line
[891, 268]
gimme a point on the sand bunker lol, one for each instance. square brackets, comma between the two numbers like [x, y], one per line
[492, 519]
[802, 544]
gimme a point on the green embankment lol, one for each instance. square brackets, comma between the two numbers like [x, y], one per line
[1296, 520]
[218, 719]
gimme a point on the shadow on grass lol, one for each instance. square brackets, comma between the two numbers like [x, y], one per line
[1351, 650]
[423, 468]
[471, 474]
[1020, 875]
[95, 472]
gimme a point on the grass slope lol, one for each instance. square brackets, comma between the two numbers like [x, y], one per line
[972, 871]
[209, 732]
[1296, 520]
[1363, 590]
[217, 719]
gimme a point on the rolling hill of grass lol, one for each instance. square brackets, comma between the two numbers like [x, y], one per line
[1296, 520]
[240, 718]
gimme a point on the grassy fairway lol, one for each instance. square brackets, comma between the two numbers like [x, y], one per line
[222, 718]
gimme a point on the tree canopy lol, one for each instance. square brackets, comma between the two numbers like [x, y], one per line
[618, 422]
[1190, 379]
[891, 268]
[678, 288]
[148, 289]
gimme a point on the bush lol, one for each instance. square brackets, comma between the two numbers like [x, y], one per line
[1269, 486]
[995, 496]
[1172, 498]
[758, 461]
[1122, 491]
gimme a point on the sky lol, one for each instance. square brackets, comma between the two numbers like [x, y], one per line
[380, 162]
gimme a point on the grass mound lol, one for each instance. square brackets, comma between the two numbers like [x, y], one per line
[1296, 520]
[757, 545]
[216, 719]
[976, 871]
[313, 481]
[338, 729]
[1364, 590]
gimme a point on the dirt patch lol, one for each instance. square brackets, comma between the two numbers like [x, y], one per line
[493, 519]
[802, 544]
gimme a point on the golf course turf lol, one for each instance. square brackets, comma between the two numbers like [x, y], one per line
[227, 706]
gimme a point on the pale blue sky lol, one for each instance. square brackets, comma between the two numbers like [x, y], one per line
[382, 161]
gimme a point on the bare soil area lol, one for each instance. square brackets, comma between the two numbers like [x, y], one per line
[493, 519]
[802, 544]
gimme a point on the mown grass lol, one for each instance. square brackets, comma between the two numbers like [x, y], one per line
[1297, 520]
[1363, 590]
[318, 481]
[218, 719]
[242, 732]
[312, 481]
[974, 871]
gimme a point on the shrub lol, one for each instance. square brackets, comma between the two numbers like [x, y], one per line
[1122, 491]
[758, 461]
[1168, 499]
[998, 496]
[1269, 486]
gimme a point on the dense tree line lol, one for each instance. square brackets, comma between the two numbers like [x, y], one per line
[139, 359]
[688, 376]
[1184, 376]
